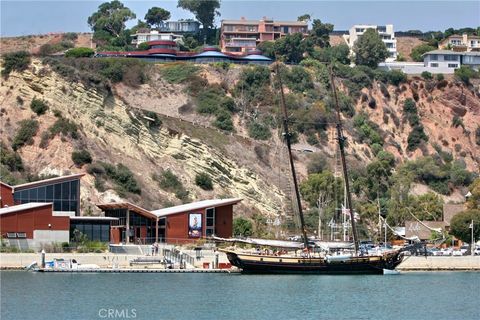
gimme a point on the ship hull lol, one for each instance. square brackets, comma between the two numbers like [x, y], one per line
[258, 264]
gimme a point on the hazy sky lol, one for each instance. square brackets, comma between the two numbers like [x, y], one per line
[23, 17]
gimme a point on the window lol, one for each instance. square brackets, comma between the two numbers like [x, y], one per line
[41, 193]
[453, 65]
[434, 65]
[57, 191]
[434, 57]
[210, 222]
[450, 57]
[49, 193]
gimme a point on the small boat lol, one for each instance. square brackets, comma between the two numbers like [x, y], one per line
[59, 264]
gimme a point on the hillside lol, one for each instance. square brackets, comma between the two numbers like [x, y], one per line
[113, 122]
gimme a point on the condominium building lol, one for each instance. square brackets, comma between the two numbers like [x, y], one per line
[462, 42]
[182, 26]
[385, 32]
[240, 36]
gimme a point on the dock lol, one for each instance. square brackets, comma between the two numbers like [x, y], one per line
[145, 270]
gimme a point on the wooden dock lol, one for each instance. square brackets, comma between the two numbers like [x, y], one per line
[145, 270]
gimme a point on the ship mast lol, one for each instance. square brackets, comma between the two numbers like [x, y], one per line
[341, 142]
[292, 165]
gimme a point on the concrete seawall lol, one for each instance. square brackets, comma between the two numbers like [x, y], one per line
[419, 263]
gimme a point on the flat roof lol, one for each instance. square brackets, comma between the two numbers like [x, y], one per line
[195, 206]
[127, 205]
[90, 218]
[48, 181]
[450, 52]
[25, 206]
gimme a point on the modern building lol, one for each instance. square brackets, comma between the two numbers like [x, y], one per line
[437, 61]
[241, 36]
[461, 43]
[154, 35]
[167, 51]
[46, 211]
[175, 225]
[187, 26]
[385, 32]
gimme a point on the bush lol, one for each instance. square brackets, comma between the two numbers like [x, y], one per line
[396, 77]
[242, 227]
[38, 106]
[427, 75]
[168, 181]
[259, 131]
[298, 79]
[440, 77]
[223, 121]
[415, 137]
[28, 129]
[64, 127]
[465, 73]
[123, 177]
[367, 130]
[70, 36]
[477, 136]
[11, 160]
[81, 157]
[15, 61]
[204, 181]
[48, 49]
[79, 53]
[179, 72]
[418, 51]
[460, 225]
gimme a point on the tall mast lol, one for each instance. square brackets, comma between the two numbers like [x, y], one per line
[292, 165]
[341, 142]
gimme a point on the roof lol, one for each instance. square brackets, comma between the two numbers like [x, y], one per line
[195, 206]
[256, 57]
[94, 218]
[450, 210]
[48, 181]
[25, 206]
[127, 205]
[415, 228]
[6, 185]
[441, 52]
[213, 54]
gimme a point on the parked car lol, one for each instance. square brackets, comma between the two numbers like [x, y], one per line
[457, 253]
[477, 251]
[464, 249]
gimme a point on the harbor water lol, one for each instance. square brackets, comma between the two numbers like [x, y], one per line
[433, 295]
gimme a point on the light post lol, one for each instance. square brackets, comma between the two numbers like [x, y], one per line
[472, 244]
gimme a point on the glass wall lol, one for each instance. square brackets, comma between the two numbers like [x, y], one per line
[64, 195]
[94, 230]
[210, 230]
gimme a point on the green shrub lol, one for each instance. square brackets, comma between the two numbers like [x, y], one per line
[427, 75]
[179, 72]
[65, 127]
[418, 51]
[396, 77]
[143, 46]
[465, 73]
[39, 106]
[367, 130]
[70, 36]
[79, 53]
[415, 137]
[242, 227]
[204, 181]
[440, 77]
[259, 131]
[168, 181]
[15, 61]
[223, 121]
[28, 129]
[457, 122]
[12, 160]
[122, 176]
[298, 79]
[48, 48]
[81, 157]
[477, 136]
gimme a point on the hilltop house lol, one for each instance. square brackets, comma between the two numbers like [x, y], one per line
[461, 43]
[241, 36]
[385, 32]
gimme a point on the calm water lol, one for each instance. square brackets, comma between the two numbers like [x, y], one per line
[221, 296]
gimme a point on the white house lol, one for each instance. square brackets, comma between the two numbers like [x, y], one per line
[385, 32]
[154, 35]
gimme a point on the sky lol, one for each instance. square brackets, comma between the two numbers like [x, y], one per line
[25, 17]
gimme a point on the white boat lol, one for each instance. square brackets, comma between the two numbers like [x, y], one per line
[59, 264]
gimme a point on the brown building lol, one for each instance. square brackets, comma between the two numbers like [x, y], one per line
[6, 195]
[241, 36]
[176, 225]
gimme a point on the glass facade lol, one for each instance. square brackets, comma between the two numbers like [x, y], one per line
[136, 223]
[64, 195]
[210, 217]
[94, 230]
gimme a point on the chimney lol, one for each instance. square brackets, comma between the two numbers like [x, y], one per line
[465, 39]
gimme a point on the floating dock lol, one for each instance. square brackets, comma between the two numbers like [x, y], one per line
[128, 270]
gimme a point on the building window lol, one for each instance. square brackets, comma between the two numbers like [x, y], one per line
[434, 65]
[450, 57]
[434, 57]
[453, 65]
[210, 222]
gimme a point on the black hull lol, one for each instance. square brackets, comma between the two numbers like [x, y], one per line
[376, 265]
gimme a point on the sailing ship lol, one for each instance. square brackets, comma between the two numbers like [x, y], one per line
[307, 263]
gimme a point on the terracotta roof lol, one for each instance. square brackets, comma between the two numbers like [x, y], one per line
[25, 206]
[48, 181]
[129, 206]
[195, 206]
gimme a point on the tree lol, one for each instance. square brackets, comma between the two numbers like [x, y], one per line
[369, 49]
[110, 18]
[460, 225]
[473, 201]
[79, 52]
[317, 183]
[320, 33]
[465, 73]
[418, 51]
[242, 227]
[156, 16]
[15, 61]
[304, 17]
[140, 25]
[204, 11]
[292, 47]
[338, 53]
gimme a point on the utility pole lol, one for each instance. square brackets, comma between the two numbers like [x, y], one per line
[472, 244]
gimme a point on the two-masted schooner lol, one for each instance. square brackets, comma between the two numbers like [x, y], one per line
[352, 262]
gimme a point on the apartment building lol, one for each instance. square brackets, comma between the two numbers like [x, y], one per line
[241, 36]
[385, 32]
[461, 43]
[182, 26]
